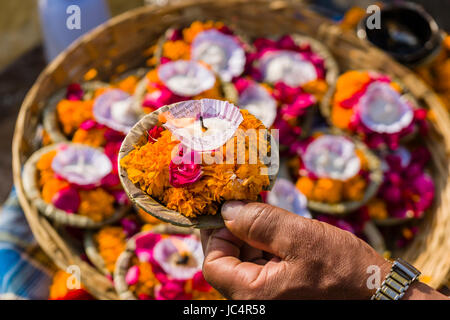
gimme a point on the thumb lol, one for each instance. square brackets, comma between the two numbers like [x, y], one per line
[263, 226]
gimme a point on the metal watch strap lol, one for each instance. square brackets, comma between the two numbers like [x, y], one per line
[397, 281]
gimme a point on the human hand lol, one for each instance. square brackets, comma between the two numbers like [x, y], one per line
[270, 253]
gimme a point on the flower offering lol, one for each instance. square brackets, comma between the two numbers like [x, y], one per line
[208, 42]
[163, 267]
[375, 107]
[80, 180]
[334, 170]
[201, 154]
[297, 76]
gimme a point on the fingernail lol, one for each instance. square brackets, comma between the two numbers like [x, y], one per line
[230, 209]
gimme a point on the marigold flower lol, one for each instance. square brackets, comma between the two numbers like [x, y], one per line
[96, 204]
[196, 27]
[352, 18]
[71, 114]
[328, 190]
[354, 188]
[147, 281]
[111, 243]
[306, 186]
[51, 188]
[177, 50]
[94, 137]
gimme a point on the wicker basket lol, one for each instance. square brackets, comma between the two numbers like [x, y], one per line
[122, 40]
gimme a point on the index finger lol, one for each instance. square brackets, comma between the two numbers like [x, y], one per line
[222, 267]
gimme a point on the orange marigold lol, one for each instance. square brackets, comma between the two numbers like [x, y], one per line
[316, 87]
[354, 188]
[377, 209]
[52, 187]
[341, 117]
[328, 190]
[352, 18]
[93, 137]
[349, 83]
[58, 288]
[128, 84]
[196, 27]
[111, 243]
[177, 50]
[147, 281]
[96, 204]
[306, 186]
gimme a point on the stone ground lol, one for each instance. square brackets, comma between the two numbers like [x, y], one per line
[19, 33]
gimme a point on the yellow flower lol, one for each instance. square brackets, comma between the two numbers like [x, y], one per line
[354, 188]
[196, 27]
[352, 18]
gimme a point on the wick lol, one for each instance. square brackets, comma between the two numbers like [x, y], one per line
[183, 259]
[203, 125]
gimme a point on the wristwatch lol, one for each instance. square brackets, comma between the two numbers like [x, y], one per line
[397, 281]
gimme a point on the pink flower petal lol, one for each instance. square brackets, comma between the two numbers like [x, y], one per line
[132, 276]
[67, 199]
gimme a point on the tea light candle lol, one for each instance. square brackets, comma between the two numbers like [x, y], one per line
[220, 51]
[288, 67]
[116, 110]
[204, 125]
[180, 257]
[383, 110]
[186, 78]
[257, 100]
[81, 165]
[332, 157]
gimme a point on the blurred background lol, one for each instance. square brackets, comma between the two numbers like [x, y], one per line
[22, 56]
